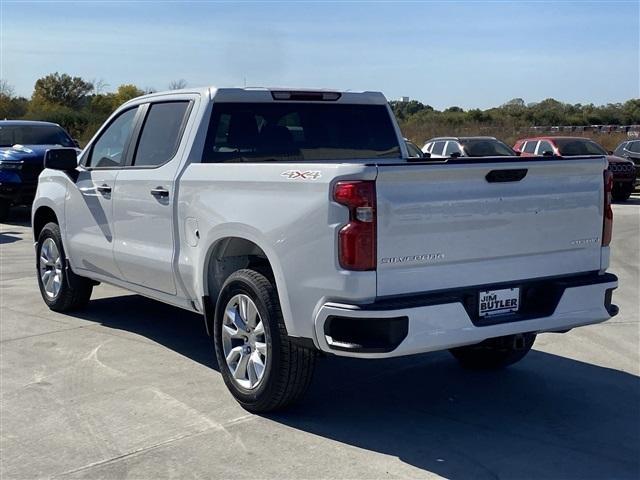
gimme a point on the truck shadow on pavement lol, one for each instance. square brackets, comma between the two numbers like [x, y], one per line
[177, 329]
[19, 216]
[10, 237]
[547, 417]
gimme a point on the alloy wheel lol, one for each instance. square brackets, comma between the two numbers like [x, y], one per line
[244, 342]
[50, 268]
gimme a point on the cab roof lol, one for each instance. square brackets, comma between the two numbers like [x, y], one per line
[276, 94]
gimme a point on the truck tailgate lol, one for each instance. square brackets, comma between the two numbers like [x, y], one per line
[445, 226]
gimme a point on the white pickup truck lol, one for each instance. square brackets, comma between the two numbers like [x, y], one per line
[296, 223]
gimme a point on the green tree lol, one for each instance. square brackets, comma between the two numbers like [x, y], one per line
[11, 107]
[125, 93]
[61, 89]
[102, 104]
[74, 121]
[515, 102]
[548, 112]
[404, 110]
[631, 111]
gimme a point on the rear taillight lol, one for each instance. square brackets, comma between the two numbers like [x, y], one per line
[357, 239]
[607, 222]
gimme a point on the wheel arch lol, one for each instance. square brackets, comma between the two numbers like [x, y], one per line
[233, 252]
[228, 254]
[49, 202]
[41, 216]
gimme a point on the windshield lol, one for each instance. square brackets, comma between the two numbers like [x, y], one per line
[34, 135]
[290, 132]
[577, 146]
[481, 147]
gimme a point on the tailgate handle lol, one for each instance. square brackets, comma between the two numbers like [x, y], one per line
[511, 175]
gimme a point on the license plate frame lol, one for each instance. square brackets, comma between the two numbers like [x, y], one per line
[502, 301]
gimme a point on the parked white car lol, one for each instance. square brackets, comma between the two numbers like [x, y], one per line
[453, 147]
[296, 223]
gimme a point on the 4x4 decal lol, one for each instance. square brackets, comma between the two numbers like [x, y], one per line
[298, 174]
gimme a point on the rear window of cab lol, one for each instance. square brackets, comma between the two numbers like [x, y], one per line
[293, 132]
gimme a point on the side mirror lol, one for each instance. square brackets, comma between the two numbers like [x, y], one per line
[65, 159]
[76, 142]
[426, 155]
[610, 152]
[547, 153]
[455, 155]
[518, 153]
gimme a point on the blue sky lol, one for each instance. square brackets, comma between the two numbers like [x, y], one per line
[470, 54]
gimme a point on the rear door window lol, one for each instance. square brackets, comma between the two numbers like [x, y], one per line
[544, 146]
[485, 147]
[161, 133]
[452, 147]
[578, 146]
[290, 132]
[438, 147]
[530, 146]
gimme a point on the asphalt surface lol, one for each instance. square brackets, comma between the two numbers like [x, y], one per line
[129, 388]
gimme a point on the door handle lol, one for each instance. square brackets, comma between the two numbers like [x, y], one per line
[104, 189]
[160, 192]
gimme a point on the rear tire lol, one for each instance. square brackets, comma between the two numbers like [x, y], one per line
[494, 353]
[282, 370]
[61, 289]
[5, 208]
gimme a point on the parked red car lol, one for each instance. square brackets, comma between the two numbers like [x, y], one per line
[624, 172]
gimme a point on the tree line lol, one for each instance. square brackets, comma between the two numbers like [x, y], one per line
[81, 106]
[513, 119]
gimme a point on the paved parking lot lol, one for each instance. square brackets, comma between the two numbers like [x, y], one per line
[129, 388]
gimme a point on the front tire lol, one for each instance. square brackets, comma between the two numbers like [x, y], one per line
[61, 289]
[494, 353]
[261, 367]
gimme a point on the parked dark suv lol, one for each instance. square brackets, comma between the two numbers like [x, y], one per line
[631, 151]
[624, 174]
[22, 148]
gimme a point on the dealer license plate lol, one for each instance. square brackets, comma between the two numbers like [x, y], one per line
[498, 302]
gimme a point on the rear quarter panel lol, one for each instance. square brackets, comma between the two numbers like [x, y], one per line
[292, 219]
